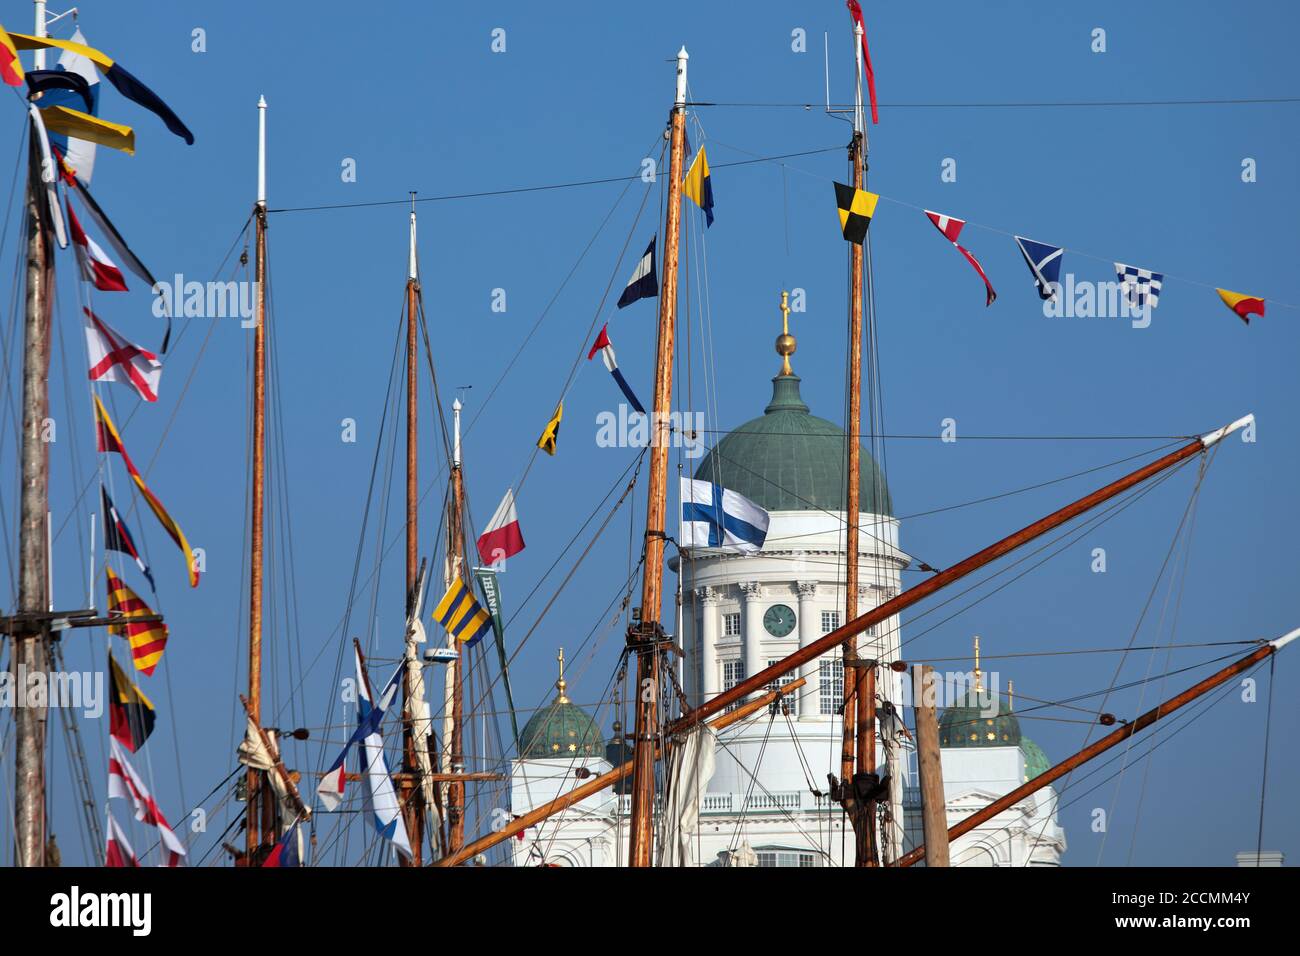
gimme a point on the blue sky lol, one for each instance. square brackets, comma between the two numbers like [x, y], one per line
[580, 93]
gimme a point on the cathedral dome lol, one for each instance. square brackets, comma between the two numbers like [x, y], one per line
[791, 460]
[973, 726]
[562, 729]
[1036, 761]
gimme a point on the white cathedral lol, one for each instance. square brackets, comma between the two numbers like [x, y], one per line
[766, 803]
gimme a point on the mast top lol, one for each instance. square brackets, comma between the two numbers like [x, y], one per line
[561, 684]
[785, 342]
[682, 57]
[413, 270]
[261, 152]
[455, 416]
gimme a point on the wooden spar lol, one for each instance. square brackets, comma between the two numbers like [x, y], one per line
[646, 635]
[942, 579]
[934, 811]
[1110, 740]
[254, 838]
[852, 506]
[595, 785]
[456, 539]
[30, 642]
[412, 795]
[280, 769]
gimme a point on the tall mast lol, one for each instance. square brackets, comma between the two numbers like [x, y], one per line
[646, 636]
[254, 837]
[456, 544]
[412, 809]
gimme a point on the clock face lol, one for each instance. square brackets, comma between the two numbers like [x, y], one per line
[779, 620]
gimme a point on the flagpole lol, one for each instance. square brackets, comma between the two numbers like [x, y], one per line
[645, 636]
[456, 542]
[254, 837]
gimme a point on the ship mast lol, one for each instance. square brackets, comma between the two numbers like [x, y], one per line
[456, 561]
[645, 635]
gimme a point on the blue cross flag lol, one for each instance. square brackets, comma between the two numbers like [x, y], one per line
[714, 517]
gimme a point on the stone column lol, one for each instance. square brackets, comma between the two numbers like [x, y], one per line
[809, 631]
[710, 676]
[752, 625]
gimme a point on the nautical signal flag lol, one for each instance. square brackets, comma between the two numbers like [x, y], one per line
[1044, 262]
[108, 440]
[370, 715]
[11, 68]
[551, 433]
[96, 267]
[118, 851]
[856, 206]
[606, 349]
[1140, 286]
[287, 852]
[124, 782]
[130, 712]
[856, 12]
[461, 615]
[117, 537]
[148, 639]
[76, 85]
[503, 538]
[698, 186]
[643, 284]
[951, 228]
[70, 122]
[1244, 305]
[114, 359]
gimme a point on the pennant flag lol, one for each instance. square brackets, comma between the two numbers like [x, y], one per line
[124, 782]
[96, 266]
[715, 517]
[951, 228]
[118, 852]
[334, 783]
[1044, 262]
[856, 12]
[130, 712]
[551, 433]
[108, 440]
[643, 284]
[79, 70]
[1140, 286]
[606, 349]
[115, 73]
[286, 852]
[70, 122]
[1244, 305]
[114, 359]
[49, 175]
[699, 186]
[11, 68]
[503, 538]
[54, 83]
[382, 798]
[461, 615]
[118, 538]
[856, 206]
[148, 639]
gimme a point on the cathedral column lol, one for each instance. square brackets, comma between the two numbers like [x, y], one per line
[753, 627]
[809, 627]
[709, 682]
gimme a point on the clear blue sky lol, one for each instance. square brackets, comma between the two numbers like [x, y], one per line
[414, 94]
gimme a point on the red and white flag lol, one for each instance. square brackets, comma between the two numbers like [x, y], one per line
[951, 226]
[118, 852]
[124, 782]
[114, 359]
[96, 266]
[502, 539]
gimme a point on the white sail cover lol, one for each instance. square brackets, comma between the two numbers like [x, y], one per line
[418, 706]
[690, 768]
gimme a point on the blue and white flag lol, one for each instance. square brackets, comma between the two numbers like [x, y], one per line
[77, 153]
[330, 790]
[643, 284]
[1044, 262]
[381, 798]
[714, 517]
[1140, 286]
[606, 349]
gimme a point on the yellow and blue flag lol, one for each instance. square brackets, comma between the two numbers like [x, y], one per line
[461, 615]
[699, 187]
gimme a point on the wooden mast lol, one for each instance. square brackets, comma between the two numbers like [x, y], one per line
[934, 812]
[645, 635]
[411, 791]
[255, 839]
[456, 543]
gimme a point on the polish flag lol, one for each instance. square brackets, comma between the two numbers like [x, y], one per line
[114, 359]
[124, 782]
[96, 266]
[118, 852]
[502, 539]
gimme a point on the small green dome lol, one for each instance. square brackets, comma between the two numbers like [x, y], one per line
[1036, 761]
[968, 726]
[791, 460]
[561, 730]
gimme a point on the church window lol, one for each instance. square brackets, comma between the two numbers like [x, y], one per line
[731, 625]
[772, 856]
[830, 621]
[793, 700]
[733, 672]
[831, 690]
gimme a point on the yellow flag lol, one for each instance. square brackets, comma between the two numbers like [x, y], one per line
[698, 186]
[552, 432]
[70, 122]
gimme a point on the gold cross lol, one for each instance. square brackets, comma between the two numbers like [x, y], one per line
[785, 312]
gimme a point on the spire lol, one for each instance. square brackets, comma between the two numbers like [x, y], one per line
[413, 271]
[979, 681]
[560, 684]
[1011, 696]
[785, 342]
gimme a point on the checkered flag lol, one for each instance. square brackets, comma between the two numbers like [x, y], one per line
[1140, 286]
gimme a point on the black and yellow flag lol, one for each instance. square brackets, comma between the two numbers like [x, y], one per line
[130, 714]
[857, 206]
[552, 431]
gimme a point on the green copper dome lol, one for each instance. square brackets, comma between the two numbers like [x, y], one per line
[791, 460]
[561, 730]
[1036, 761]
[967, 726]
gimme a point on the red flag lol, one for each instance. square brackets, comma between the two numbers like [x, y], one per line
[503, 538]
[124, 782]
[856, 11]
[96, 266]
[951, 227]
[118, 852]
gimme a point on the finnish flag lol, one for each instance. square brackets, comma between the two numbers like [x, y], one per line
[714, 517]
[643, 284]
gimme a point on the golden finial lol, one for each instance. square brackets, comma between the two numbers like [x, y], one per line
[979, 685]
[785, 342]
[560, 684]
